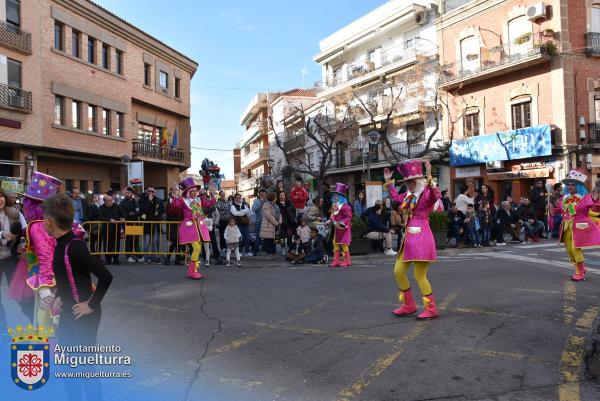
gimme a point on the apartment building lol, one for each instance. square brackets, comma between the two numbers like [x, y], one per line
[82, 92]
[372, 59]
[521, 79]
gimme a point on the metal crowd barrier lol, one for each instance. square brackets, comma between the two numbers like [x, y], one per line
[133, 237]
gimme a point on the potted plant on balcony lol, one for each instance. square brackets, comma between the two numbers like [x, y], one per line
[549, 33]
[472, 56]
[522, 39]
[550, 48]
[438, 222]
[359, 245]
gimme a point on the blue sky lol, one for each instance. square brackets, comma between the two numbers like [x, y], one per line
[253, 46]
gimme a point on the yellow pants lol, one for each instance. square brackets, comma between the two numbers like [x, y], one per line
[196, 249]
[336, 247]
[421, 267]
[575, 254]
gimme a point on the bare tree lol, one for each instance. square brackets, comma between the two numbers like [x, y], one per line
[302, 133]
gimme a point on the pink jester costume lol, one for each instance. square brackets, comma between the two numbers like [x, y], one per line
[418, 245]
[577, 230]
[341, 218]
[192, 229]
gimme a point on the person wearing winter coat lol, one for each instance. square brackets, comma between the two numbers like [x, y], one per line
[233, 236]
[271, 219]
[288, 221]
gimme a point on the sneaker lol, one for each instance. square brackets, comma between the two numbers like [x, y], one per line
[249, 254]
[131, 260]
[500, 243]
[389, 252]
[274, 257]
[207, 263]
[239, 263]
[228, 263]
[325, 259]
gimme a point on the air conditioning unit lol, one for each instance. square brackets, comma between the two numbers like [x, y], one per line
[496, 165]
[536, 11]
[422, 18]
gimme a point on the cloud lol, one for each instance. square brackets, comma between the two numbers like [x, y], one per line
[236, 20]
[247, 28]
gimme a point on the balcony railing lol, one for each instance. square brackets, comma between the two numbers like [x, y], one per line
[253, 156]
[594, 133]
[354, 158]
[592, 44]
[450, 5]
[390, 55]
[145, 149]
[295, 143]
[488, 59]
[15, 98]
[15, 37]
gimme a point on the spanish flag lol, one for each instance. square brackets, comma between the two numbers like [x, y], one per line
[164, 136]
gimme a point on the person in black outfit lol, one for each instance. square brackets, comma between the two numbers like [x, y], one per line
[151, 209]
[456, 225]
[132, 210]
[81, 311]
[288, 221]
[96, 241]
[173, 214]
[112, 213]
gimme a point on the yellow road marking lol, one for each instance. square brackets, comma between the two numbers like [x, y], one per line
[570, 301]
[381, 364]
[511, 355]
[572, 356]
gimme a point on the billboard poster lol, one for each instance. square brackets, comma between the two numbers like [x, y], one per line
[135, 174]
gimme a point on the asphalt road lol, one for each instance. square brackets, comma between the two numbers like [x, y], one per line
[512, 327]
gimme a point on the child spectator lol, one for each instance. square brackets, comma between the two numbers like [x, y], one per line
[485, 221]
[232, 238]
[303, 232]
[472, 224]
[297, 252]
[316, 246]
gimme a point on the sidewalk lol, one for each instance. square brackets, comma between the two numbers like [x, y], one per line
[543, 243]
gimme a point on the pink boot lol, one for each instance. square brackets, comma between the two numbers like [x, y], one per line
[346, 262]
[430, 311]
[336, 259]
[192, 271]
[408, 307]
[579, 272]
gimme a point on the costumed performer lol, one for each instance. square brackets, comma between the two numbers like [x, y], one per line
[341, 219]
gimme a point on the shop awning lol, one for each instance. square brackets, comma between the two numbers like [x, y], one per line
[500, 146]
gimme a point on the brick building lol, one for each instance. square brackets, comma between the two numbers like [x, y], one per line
[524, 68]
[81, 90]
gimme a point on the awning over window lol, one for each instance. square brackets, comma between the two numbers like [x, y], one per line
[507, 145]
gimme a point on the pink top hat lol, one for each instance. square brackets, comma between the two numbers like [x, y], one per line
[341, 189]
[411, 169]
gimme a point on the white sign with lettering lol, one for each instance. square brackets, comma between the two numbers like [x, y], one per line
[465, 172]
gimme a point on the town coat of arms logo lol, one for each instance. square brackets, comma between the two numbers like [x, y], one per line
[30, 356]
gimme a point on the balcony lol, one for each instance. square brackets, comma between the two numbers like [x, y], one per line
[254, 156]
[495, 61]
[294, 144]
[592, 44]
[15, 99]
[14, 37]
[355, 71]
[353, 159]
[154, 151]
[594, 137]
[451, 5]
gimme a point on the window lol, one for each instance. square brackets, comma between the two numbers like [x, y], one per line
[471, 124]
[14, 73]
[91, 50]
[97, 187]
[76, 44]
[106, 121]
[120, 124]
[92, 118]
[147, 74]
[13, 12]
[69, 185]
[178, 88]
[105, 57]
[164, 80]
[373, 57]
[145, 133]
[469, 53]
[58, 36]
[83, 187]
[415, 133]
[520, 37]
[59, 110]
[119, 62]
[337, 75]
[521, 115]
[76, 114]
[340, 154]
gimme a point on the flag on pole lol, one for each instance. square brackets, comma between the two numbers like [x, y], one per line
[153, 138]
[164, 136]
[175, 135]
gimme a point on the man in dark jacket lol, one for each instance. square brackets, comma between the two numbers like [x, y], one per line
[113, 214]
[316, 251]
[508, 221]
[80, 206]
[151, 209]
[456, 225]
[539, 199]
[132, 210]
[527, 216]
[173, 215]
[379, 231]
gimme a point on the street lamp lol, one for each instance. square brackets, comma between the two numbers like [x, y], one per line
[364, 144]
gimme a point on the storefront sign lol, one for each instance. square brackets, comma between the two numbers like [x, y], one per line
[466, 172]
[529, 166]
[508, 145]
[515, 175]
[11, 184]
